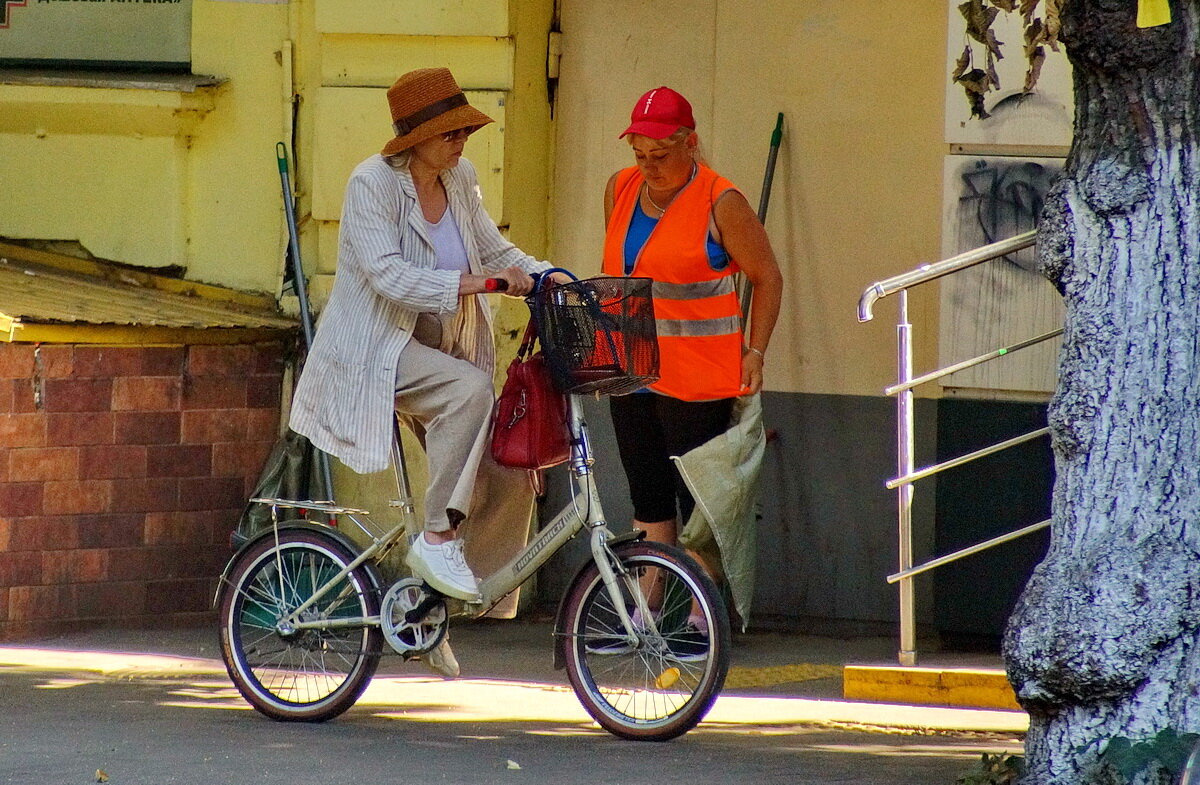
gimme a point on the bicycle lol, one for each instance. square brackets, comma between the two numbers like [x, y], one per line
[303, 610]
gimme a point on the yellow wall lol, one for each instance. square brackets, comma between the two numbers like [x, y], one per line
[184, 178]
[101, 166]
[159, 177]
[858, 181]
[235, 207]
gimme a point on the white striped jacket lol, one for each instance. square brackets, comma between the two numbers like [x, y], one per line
[385, 276]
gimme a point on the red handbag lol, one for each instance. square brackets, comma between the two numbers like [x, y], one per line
[529, 422]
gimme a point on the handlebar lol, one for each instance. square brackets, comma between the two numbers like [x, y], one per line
[501, 285]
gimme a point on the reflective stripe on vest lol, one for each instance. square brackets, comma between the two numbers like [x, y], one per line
[693, 291]
[696, 309]
[677, 328]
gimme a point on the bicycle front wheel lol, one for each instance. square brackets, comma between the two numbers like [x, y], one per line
[663, 685]
[311, 674]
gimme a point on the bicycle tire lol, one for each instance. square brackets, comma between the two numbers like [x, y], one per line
[646, 693]
[310, 675]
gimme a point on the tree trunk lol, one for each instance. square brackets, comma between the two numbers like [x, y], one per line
[1104, 640]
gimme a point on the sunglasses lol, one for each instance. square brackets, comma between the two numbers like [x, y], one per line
[461, 133]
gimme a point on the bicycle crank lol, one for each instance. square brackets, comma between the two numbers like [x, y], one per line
[413, 622]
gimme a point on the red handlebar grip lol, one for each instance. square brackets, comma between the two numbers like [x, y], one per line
[495, 285]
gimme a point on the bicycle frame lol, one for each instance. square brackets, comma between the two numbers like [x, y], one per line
[584, 509]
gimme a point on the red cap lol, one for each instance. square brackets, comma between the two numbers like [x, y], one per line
[660, 113]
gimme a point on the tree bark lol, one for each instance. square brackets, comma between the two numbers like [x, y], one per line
[1105, 640]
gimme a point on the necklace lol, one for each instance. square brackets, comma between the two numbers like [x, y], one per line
[659, 207]
[655, 204]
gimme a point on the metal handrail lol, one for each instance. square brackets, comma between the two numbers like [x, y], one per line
[965, 364]
[907, 474]
[930, 272]
[929, 471]
[970, 549]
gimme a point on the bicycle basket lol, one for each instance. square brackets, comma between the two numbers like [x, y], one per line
[598, 334]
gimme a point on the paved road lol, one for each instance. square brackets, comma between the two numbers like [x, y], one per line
[67, 710]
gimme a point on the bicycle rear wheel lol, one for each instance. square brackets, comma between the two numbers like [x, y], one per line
[307, 675]
[664, 685]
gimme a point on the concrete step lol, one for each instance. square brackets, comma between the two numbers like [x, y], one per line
[973, 687]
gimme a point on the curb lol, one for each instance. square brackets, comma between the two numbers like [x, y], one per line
[962, 687]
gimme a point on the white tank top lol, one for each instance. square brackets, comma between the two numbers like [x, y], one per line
[448, 243]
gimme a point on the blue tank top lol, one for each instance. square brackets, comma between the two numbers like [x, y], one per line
[640, 226]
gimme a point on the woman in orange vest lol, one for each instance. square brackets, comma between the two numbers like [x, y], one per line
[674, 220]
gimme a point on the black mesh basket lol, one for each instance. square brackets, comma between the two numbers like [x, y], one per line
[598, 334]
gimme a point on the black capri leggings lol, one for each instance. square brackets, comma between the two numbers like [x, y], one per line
[650, 428]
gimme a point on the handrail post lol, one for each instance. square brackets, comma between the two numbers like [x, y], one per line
[903, 390]
[905, 463]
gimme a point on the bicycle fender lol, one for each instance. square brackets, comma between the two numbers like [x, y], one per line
[341, 539]
[636, 535]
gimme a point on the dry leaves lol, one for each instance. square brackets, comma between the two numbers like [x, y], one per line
[979, 15]
[976, 82]
[1053, 22]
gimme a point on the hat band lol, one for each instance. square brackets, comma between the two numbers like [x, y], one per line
[406, 125]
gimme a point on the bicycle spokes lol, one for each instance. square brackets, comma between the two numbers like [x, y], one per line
[660, 683]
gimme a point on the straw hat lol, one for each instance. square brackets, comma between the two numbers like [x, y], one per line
[425, 103]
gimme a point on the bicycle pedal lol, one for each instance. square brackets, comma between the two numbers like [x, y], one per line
[431, 599]
[432, 592]
[412, 618]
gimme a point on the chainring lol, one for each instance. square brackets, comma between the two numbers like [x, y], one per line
[416, 638]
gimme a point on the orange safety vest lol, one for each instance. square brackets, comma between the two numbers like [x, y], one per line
[696, 308]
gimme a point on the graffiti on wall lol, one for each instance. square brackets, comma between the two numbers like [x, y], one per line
[1001, 198]
[998, 303]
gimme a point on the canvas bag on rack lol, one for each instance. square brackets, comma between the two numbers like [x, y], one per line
[529, 422]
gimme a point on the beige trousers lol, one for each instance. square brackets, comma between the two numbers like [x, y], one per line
[447, 402]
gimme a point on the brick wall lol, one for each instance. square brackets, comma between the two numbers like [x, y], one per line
[122, 472]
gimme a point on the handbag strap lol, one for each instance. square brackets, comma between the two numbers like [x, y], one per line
[526, 347]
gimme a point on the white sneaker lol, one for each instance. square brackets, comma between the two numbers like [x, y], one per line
[443, 567]
[441, 660]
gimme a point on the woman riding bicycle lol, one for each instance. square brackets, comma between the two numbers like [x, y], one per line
[403, 328]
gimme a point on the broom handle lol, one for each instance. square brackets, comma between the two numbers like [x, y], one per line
[769, 176]
[301, 291]
[763, 201]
